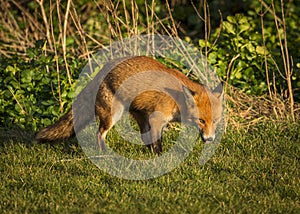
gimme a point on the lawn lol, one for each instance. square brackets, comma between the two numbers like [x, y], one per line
[254, 170]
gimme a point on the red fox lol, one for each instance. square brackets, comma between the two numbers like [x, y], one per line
[156, 95]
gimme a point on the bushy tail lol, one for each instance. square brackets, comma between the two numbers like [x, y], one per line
[62, 129]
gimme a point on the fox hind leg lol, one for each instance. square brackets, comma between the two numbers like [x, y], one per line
[108, 117]
[105, 124]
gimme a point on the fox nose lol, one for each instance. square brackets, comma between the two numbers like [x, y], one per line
[209, 139]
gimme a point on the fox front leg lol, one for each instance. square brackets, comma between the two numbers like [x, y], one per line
[157, 122]
[157, 147]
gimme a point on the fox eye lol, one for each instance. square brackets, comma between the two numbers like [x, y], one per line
[201, 121]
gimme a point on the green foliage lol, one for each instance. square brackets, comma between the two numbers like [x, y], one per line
[30, 93]
[273, 38]
[35, 89]
[239, 49]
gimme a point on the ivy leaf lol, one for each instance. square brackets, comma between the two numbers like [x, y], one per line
[27, 76]
[244, 27]
[229, 27]
[231, 19]
[261, 50]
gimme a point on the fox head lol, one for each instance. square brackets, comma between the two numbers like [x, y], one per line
[204, 110]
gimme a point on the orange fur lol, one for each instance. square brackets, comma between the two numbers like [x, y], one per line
[157, 95]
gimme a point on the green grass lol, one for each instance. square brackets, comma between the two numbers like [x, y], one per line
[254, 170]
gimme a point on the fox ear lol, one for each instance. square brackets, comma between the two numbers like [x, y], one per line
[188, 95]
[218, 91]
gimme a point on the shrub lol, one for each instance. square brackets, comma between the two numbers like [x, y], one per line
[33, 91]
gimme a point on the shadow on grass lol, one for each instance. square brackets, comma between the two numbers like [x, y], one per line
[16, 134]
